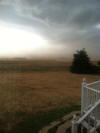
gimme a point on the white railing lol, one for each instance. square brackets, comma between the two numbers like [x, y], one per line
[90, 95]
[90, 107]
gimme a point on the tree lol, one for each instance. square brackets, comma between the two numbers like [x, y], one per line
[81, 63]
[98, 63]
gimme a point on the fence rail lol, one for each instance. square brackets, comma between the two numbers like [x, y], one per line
[90, 107]
[90, 95]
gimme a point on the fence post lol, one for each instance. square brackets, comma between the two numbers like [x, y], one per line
[74, 125]
[83, 95]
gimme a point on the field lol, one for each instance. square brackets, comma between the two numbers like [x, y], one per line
[36, 86]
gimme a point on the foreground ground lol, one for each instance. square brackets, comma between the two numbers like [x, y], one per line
[35, 86]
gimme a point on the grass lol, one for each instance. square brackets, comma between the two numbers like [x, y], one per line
[28, 87]
[31, 66]
[33, 123]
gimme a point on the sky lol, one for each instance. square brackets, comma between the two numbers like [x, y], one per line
[49, 28]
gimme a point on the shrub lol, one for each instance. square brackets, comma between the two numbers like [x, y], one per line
[98, 63]
[81, 63]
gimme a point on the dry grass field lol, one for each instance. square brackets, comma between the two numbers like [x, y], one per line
[42, 86]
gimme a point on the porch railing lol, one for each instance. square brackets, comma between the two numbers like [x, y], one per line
[90, 107]
[90, 95]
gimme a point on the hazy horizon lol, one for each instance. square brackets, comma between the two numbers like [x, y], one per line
[49, 29]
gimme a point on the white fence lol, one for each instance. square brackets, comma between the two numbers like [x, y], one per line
[90, 107]
[90, 95]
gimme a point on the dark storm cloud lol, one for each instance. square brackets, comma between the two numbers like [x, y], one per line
[65, 22]
[63, 12]
[57, 13]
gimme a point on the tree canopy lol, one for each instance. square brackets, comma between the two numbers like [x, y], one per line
[81, 63]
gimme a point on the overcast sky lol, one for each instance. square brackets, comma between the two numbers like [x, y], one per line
[66, 25]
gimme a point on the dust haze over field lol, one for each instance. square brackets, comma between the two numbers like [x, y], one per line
[49, 28]
[37, 39]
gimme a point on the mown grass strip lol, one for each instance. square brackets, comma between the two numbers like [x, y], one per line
[32, 123]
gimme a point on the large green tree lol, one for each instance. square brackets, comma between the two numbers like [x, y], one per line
[81, 63]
